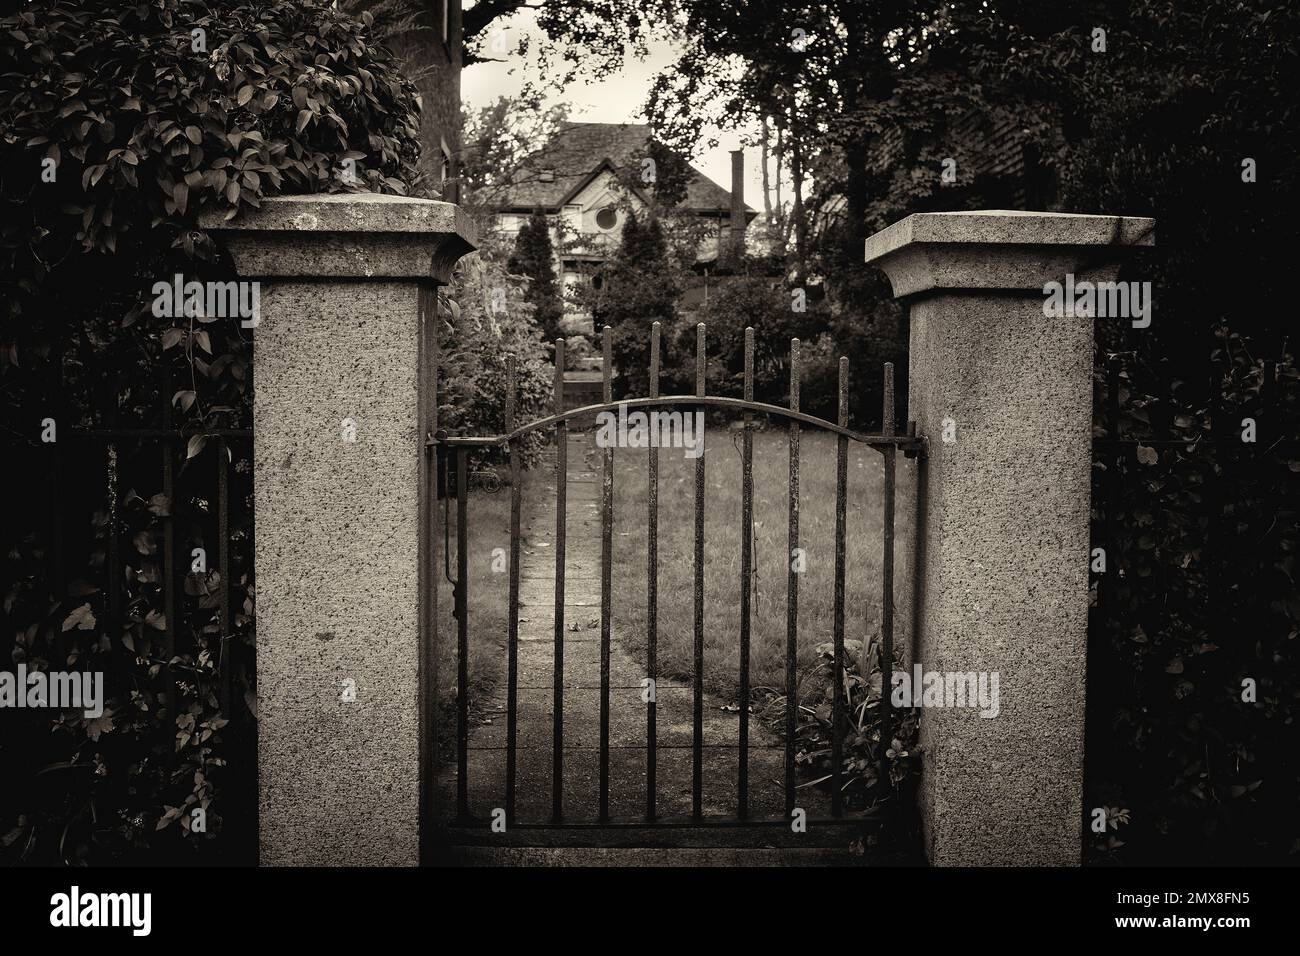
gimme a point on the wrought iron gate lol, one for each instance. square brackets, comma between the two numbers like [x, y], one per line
[741, 828]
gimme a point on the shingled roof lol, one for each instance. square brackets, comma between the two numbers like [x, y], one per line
[578, 149]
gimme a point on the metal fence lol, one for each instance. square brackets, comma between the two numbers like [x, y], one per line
[194, 470]
[452, 457]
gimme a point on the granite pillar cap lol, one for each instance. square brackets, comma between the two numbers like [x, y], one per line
[346, 235]
[1001, 249]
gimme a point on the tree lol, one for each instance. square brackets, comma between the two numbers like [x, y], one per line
[497, 139]
[639, 287]
[534, 257]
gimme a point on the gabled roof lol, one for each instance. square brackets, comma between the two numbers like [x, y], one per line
[583, 182]
[577, 152]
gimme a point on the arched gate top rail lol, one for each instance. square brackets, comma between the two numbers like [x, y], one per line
[906, 443]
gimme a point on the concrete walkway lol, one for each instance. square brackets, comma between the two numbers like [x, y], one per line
[581, 683]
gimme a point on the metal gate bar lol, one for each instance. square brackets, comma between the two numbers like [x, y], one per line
[459, 448]
[792, 589]
[606, 543]
[512, 652]
[461, 592]
[887, 579]
[746, 579]
[652, 593]
[561, 504]
[837, 669]
[697, 676]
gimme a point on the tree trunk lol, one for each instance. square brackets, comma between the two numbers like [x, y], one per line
[767, 185]
[800, 226]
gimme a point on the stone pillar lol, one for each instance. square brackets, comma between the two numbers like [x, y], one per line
[340, 363]
[1003, 395]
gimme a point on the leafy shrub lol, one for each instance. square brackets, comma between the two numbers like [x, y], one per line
[120, 125]
[154, 111]
[1201, 532]
[863, 786]
[487, 319]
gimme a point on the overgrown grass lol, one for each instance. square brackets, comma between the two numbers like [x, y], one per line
[722, 541]
[489, 529]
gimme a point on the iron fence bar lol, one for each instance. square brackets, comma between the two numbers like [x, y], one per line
[156, 434]
[606, 582]
[512, 652]
[1267, 402]
[697, 672]
[227, 631]
[880, 442]
[652, 593]
[746, 576]
[887, 581]
[55, 403]
[113, 626]
[461, 593]
[561, 498]
[432, 673]
[428, 670]
[837, 671]
[792, 588]
[169, 554]
[1111, 477]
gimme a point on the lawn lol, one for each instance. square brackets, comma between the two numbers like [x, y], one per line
[489, 529]
[722, 539]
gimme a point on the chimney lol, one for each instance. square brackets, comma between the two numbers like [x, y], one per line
[737, 203]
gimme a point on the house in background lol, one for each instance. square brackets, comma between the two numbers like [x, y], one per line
[575, 181]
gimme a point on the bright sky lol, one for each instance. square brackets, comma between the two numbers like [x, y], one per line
[618, 99]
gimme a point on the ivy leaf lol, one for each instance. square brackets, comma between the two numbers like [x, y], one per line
[102, 724]
[82, 619]
[1147, 455]
[195, 445]
[244, 95]
[144, 542]
[172, 813]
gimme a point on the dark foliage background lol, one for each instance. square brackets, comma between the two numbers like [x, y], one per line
[148, 113]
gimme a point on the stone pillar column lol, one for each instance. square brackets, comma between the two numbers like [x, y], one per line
[1003, 394]
[340, 364]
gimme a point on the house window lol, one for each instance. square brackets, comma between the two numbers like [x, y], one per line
[607, 218]
[447, 175]
[572, 219]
